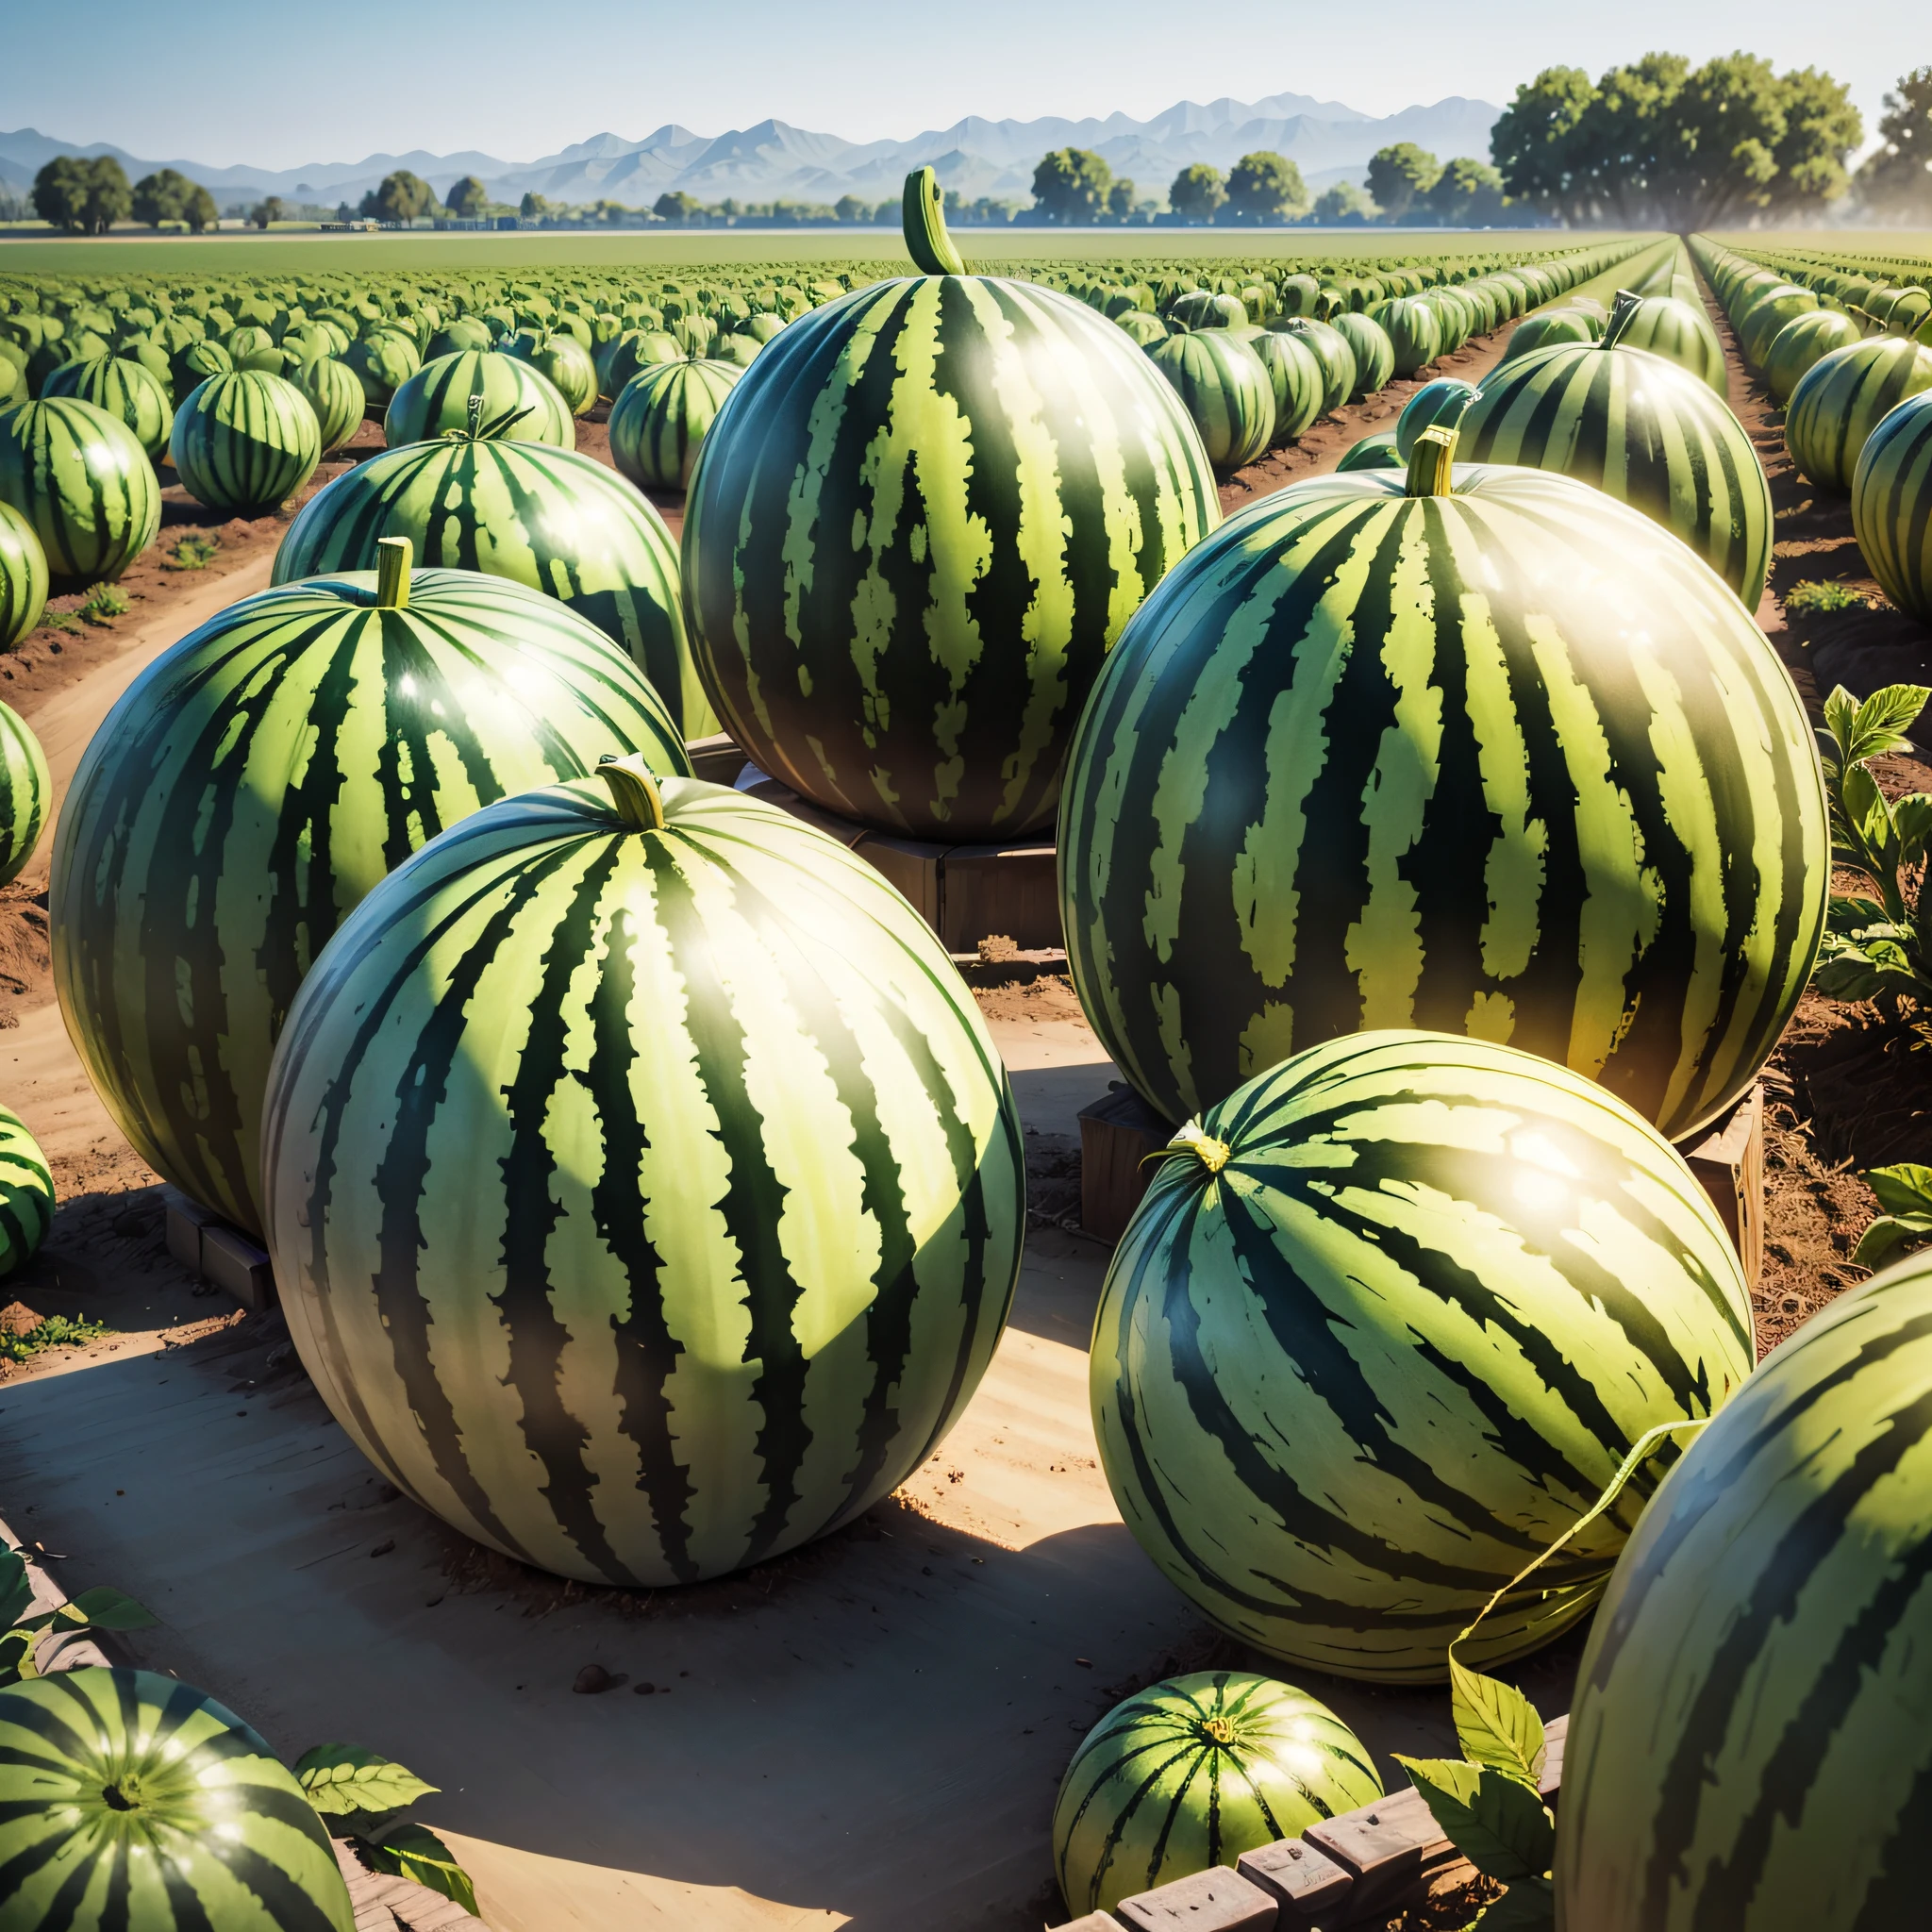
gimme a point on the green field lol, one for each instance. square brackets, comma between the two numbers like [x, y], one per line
[1011, 250]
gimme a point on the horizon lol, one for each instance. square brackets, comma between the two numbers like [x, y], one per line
[1081, 62]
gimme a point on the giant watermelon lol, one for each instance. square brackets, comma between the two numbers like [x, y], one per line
[1226, 390]
[84, 485]
[1841, 399]
[1503, 760]
[1891, 505]
[644, 1191]
[128, 390]
[919, 522]
[450, 391]
[256, 781]
[1385, 1325]
[1751, 1743]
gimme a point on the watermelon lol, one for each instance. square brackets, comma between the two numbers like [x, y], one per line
[548, 518]
[1801, 343]
[1679, 333]
[1376, 452]
[196, 362]
[253, 785]
[661, 416]
[1555, 329]
[382, 362]
[335, 395]
[1840, 400]
[1375, 354]
[26, 1199]
[625, 355]
[1379, 754]
[26, 791]
[567, 366]
[700, 1216]
[1437, 404]
[1296, 377]
[1225, 390]
[85, 486]
[132, 1801]
[465, 332]
[1891, 505]
[1331, 349]
[1759, 323]
[511, 393]
[1414, 332]
[126, 390]
[1140, 329]
[1642, 428]
[22, 577]
[244, 442]
[1191, 1772]
[1384, 1325]
[918, 524]
[1751, 1743]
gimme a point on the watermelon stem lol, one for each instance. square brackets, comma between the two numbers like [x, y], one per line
[923, 211]
[1213, 1154]
[1622, 310]
[392, 573]
[633, 791]
[1432, 462]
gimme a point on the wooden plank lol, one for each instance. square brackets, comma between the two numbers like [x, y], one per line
[1011, 891]
[1309, 1886]
[1386, 1847]
[1117, 1134]
[1215, 1900]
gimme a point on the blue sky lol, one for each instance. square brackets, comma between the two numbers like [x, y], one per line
[229, 81]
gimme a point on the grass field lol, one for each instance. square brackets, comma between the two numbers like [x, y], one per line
[1005, 248]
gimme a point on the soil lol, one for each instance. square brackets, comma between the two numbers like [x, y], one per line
[910, 1686]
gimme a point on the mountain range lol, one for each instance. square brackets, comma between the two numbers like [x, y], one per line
[1329, 142]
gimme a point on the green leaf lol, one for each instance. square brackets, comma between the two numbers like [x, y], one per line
[1905, 1188]
[1528, 1905]
[413, 1851]
[343, 1779]
[1497, 1823]
[16, 1655]
[1868, 817]
[1879, 725]
[16, 1588]
[1890, 1235]
[104, 1608]
[1841, 717]
[1496, 1724]
[1912, 814]
[1849, 914]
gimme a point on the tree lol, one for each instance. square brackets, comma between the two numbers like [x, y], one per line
[401, 197]
[1399, 177]
[1896, 181]
[676, 206]
[199, 210]
[1197, 193]
[1658, 143]
[1266, 188]
[1467, 193]
[1120, 199]
[1345, 204]
[467, 198]
[84, 197]
[269, 212]
[1069, 185]
[162, 197]
[850, 209]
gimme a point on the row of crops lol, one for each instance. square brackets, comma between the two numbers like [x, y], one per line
[1440, 841]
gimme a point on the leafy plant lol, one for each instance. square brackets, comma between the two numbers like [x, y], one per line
[1813, 595]
[104, 604]
[1488, 1802]
[1877, 949]
[22, 1627]
[52, 1331]
[193, 553]
[369, 1792]
[1904, 1191]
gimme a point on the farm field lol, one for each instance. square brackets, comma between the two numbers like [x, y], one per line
[868, 1730]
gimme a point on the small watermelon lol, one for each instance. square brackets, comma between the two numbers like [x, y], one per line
[22, 577]
[661, 418]
[1375, 354]
[84, 485]
[26, 789]
[1225, 390]
[1801, 343]
[1891, 505]
[244, 442]
[1437, 404]
[1191, 1772]
[506, 392]
[129, 392]
[26, 1199]
[334, 394]
[1841, 399]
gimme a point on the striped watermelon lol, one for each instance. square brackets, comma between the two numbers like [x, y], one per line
[196, 362]
[84, 485]
[1553, 329]
[244, 442]
[626, 355]
[1679, 333]
[700, 1216]
[1437, 404]
[25, 793]
[1414, 332]
[334, 394]
[918, 524]
[22, 577]
[127, 391]
[1191, 1772]
[1332, 350]
[1891, 505]
[661, 417]
[1801, 343]
[26, 1197]
[1226, 388]
[1375, 354]
[1841, 399]
[1750, 1744]
[1296, 377]
[1384, 1325]
[566, 365]
[131, 1802]
[438, 398]
[1641, 428]
[256, 781]
[1508, 761]
[548, 518]
[1760, 321]
[1376, 452]
[382, 362]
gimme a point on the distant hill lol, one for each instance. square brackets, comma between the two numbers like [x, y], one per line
[1328, 140]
